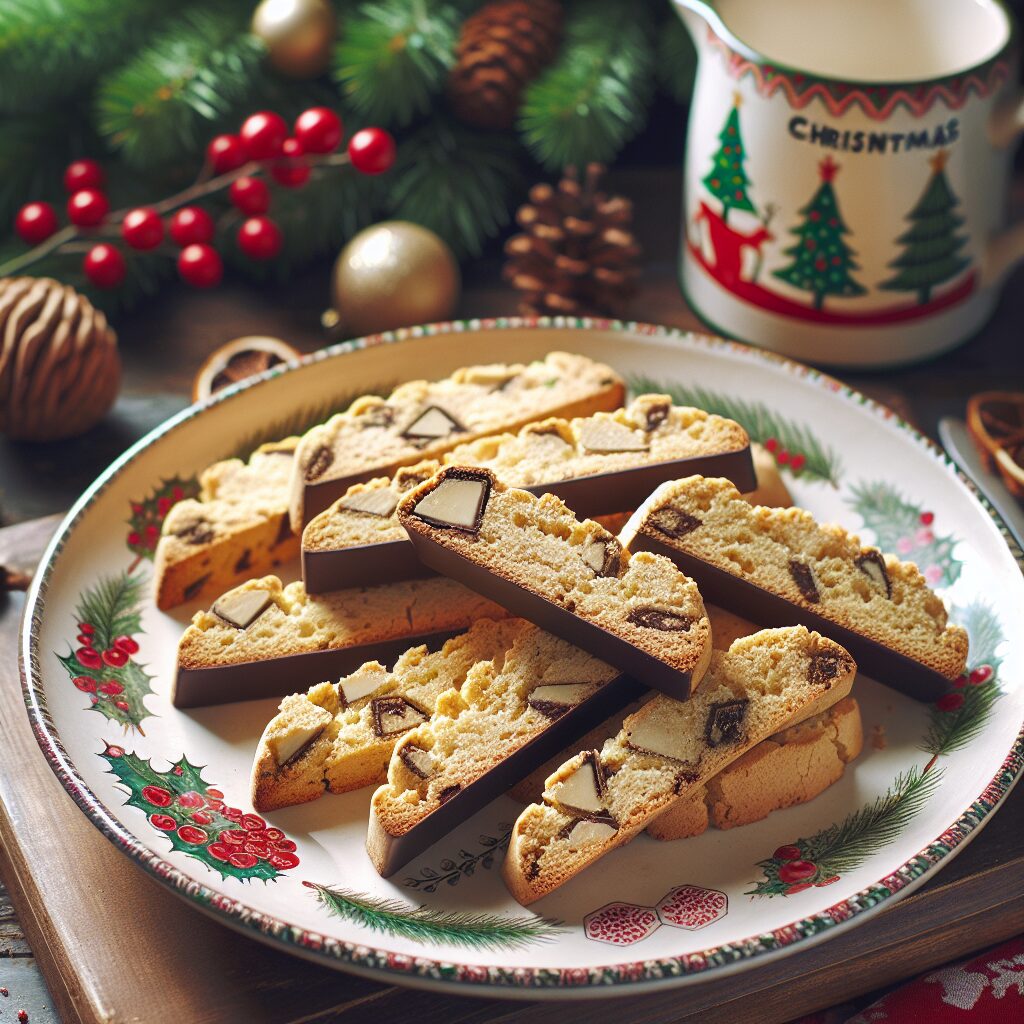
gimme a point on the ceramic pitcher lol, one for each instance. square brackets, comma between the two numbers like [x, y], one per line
[847, 171]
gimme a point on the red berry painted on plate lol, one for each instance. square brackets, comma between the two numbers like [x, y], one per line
[178, 770]
[771, 445]
[979, 675]
[797, 871]
[142, 228]
[291, 171]
[84, 639]
[960, 681]
[191, 799]
[233, 837]
[215, 805]
[221, 851]
[202, 818]
[134, 538]
[81, 174]
[263, 135]
[89, 657]
[115, 658]
[273, 835]
[371, 150]
[87, 207]
[927, 518]
[226, 153]
[114, 751]
[782, 457]
[259, 238]
[157, 796]
[950, 702]
[164, 822]
[104, 266]
[35, 222]
[796, 463]
[127, 644]
[122, 705]
[87, 628]
[828, 881]
[111, 687]
[192, 835]
[250, 195]
[85, 683]
[191, 224]
[261, 850]
[283, 861]
[243, 860]
[284, 845]
[233, 814]
[792, 890]
[319, 130]
[788, 853]
[200, 266]
[210, 791]
[253, 823]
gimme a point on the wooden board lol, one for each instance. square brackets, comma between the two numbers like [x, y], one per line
[114, 946]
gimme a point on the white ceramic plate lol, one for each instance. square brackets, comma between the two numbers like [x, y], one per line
[649, 914]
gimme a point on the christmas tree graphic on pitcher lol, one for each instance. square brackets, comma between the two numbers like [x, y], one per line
[855, 222]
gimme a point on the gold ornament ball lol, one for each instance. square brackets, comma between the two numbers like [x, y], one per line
[299, 35]
[393, 274]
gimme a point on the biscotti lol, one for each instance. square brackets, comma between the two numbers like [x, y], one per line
[599, 800]
[236, 529]
[777, 566]
[506, 717]
[423, 419]
[339, 736]
[598, 465]
[572, 578]
[792, 767]
[263, 639]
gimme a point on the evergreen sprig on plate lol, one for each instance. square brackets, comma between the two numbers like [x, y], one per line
[452, 871]
[422, 924]
[797, 450]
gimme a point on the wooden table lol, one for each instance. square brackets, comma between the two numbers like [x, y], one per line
[79, 902]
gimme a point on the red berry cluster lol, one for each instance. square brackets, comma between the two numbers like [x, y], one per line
[262, 142]
[242, 847]
[953, 701]
[116, 656]
[783, 456]
[795, 872]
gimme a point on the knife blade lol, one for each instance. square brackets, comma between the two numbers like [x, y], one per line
[960, 448]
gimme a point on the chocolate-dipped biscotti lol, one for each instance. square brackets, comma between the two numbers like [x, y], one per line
[236, 529]
[572, 578]
[506, 717]
[263, 639]
[598, 465]
[599, 800]
[424, 419]
[777, 566]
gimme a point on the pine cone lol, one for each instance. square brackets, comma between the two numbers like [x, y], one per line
[59, 367]
[501, 49]
[577, 256]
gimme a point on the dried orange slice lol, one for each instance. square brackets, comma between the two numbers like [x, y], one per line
[995, 420]
[237, 360]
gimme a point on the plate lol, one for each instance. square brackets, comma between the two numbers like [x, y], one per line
[650, 914]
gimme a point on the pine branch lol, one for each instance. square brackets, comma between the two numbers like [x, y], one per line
[112, 608]
[394, 58]
[457, 182]
[51, 50]
[677, 58]
[476, 931]
[452, 871]
[160, 107]
[594, 98]
[984, 630]
[760, 421]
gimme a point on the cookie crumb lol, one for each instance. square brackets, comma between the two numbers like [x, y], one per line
[878, 739]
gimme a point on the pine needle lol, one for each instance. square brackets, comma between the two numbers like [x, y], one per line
[475, 931]
[593, 99]
[112, 607]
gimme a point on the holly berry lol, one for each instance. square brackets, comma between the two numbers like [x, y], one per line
[292, 171]
[163, 506]
[114, 751]
[788, 853]
[220, 850]
[796, 463]
[89, 657]
[164, 822]
[202, 818]
[371, 150]
[274, 835]
[191, 224]
[157, 796]
[111, 687]
[191, 799]
[192, 835]
[828, 881]
[243, 860]
[142, 228]
[87, 628]
[126, 643]
[122, 705]
[104, 266]
[782, 457]
[233, 837]
[771, 445]
[253, 823]
[200, 266]
[226, 153]
[927, 518]
[960, 681]
[215, 805]
[285, 846]
[214, 793]
[259, 238]
[35, 222]
[84, 639]
[233, 814]
[87, 207]
[797, 871]
[115, 658]
[950, 702]
[250, 195]
[81, 174]
[318, 130]
[792, 890]
[979, 675]
[283, 861]
[263, 135]
[85, 683]
[257, 849]
[178, 770]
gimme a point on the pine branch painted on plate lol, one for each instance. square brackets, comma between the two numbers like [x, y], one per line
[824, 857]
[961, 715]
[451, 871]
[103, 664]
[795, 447]
[433, 927]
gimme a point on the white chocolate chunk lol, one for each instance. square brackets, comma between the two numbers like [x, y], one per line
[585, 832]
[455, 501]
[433, 422]
[582, 791]
[594, 554]
[380, 502]
[363, 682]
[605, 435]
[242, 608]
[393, 715]
[303, 729]
[661, 734]
[417, 760]
[568, 694]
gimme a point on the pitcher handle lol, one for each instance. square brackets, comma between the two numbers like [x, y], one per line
[1006, 249]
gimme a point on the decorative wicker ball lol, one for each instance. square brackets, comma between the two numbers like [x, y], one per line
[59, 367]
